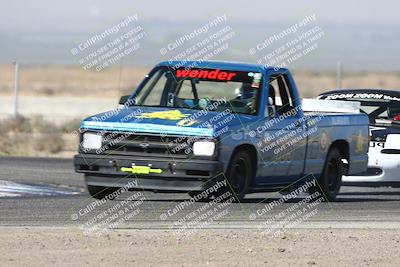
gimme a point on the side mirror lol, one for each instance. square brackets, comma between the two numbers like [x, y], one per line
[271, 109]
[123, 99]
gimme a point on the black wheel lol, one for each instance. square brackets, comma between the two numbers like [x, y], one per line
[285, 191]
[331, 178]
[211, 196]
[100, 192]
[194, 194]
[240, 174]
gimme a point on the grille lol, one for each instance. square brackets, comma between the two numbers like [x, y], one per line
[135, 144]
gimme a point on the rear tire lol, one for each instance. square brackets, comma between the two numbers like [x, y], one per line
[328, 185]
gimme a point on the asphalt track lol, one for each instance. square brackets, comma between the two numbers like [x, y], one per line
[47, 192]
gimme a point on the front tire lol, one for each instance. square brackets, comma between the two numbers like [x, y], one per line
[194, 194]
[100, 192]
[328, 185]
[240, 174]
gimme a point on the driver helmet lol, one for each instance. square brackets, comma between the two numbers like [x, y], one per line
[394, 113]
[246, 91]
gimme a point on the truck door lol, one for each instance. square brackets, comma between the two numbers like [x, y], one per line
[283, 147]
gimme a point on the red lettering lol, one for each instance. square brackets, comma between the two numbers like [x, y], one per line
[194, 74]
[206, 74]
[182, 73]
[213, 74]
[222, 75]
[203, 74]
[230, 76]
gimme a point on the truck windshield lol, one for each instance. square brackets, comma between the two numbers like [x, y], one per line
[213, 89]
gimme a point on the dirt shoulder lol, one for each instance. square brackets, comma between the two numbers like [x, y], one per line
[302, 247]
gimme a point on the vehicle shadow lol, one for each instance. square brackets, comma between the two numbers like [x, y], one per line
[342, 198]
[372, 193]
[299, 199]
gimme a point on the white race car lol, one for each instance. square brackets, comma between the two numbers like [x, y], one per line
[383, 109]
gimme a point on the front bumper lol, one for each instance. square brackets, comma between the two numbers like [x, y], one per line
[175, 175]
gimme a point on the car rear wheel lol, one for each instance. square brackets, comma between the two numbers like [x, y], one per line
[328, 185]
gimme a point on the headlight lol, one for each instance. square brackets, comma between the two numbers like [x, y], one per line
[203, 148]
[91, 141]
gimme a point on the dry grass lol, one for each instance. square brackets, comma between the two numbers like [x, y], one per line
[74, 81]
[71, 81]
[35, 136]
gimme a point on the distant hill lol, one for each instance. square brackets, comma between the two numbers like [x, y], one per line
[359, 47]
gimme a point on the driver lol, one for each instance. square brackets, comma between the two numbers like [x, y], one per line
[247, 95]
[246, 92]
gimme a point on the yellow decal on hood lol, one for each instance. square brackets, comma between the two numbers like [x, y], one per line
[172, 115]
[186, 122]
[165, 115]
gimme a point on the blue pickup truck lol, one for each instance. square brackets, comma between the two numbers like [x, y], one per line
[192, 124]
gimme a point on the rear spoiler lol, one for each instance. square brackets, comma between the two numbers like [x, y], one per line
[334, 106]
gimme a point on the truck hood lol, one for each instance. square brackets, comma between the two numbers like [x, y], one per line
[162, 121]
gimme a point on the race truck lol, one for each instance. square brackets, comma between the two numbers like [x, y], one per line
[383, 109]
[195, 124]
